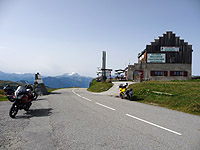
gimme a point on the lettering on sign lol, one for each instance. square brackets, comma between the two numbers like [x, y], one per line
[169, 49]
[156, 58]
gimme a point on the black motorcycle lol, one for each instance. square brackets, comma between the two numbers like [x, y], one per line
[33, 90]
[9, 92]
[22, 99]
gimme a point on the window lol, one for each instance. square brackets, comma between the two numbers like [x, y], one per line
[159, 73]
[178, 73]
[137, 73]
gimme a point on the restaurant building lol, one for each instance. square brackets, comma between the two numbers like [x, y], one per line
[167, 58]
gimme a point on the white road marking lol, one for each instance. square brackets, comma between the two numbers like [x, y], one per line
[73, 91]
[105, 106]
[154, 124]
[81, 96]
[86, 99]
[78, 95]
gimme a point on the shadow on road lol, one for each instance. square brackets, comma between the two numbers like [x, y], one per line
[134, 98]
[36, 113]
[55, 93]
[40, 99]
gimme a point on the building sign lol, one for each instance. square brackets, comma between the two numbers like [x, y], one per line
[155, 58]
[169, 49]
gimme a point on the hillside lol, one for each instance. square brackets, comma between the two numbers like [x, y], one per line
[4, 83]
[178, 95]
[70, 81]
[1, 93]
[11, 83]
[99, 86]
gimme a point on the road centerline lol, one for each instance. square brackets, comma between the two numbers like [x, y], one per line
[81, 96]
[105, 106]
[150, 123]
[153, 124]
[86, 99]
[75, 93]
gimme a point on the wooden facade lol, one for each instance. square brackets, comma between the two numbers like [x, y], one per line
[167, 58]
[169, 39]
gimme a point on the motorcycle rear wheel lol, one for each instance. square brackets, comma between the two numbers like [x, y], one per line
[35, 96]
[130, 97]
[121, 95]
[13, 110]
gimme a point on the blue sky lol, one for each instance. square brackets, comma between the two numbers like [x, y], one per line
[63, 36]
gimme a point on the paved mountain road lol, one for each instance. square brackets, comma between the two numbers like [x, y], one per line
[114, 90]
[75, 119]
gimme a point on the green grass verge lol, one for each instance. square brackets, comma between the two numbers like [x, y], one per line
[11, 83]
[185, 94]
[2, 96]
[99, 86]
[2, 84]
[49, 90]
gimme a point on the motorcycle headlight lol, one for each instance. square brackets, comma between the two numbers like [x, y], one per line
[19, 97]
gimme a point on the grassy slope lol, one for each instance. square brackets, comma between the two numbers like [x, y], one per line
[49, 90]
[14, 84]
[186, 94]
[2, 84]
[99, 86]
[2, 96]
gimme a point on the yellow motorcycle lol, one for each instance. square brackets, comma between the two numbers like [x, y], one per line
[124, 92]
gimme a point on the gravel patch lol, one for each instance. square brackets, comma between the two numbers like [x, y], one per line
[10, 128]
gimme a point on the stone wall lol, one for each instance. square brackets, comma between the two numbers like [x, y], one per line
[130, 72]
[147, 68]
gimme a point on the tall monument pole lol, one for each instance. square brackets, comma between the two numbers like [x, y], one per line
[104, 66]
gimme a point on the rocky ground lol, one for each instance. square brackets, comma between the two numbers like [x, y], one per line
[20, 133]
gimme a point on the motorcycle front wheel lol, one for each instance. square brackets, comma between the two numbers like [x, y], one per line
[13, 110]
[28, 105]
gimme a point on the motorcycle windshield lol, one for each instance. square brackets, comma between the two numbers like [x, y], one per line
[20, 90]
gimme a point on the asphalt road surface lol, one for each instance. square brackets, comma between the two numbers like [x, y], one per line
[74, 119]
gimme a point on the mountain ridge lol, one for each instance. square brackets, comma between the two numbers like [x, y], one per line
[61, 81]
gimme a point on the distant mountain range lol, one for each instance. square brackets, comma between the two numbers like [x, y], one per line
[16, 77]
[62, 81]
